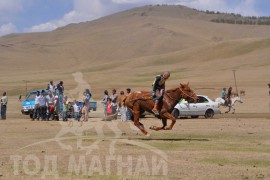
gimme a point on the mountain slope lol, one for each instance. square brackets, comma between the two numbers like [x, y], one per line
[130, 47]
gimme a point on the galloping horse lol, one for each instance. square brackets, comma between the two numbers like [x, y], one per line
[141, 101]
[223, 103]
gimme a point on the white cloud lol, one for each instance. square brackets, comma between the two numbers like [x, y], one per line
[7, 29]
[84, 10]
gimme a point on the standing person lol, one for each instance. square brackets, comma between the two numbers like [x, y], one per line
[60, 90]
[77, 110]
[51, 86]
[223, 94]
[65, 108]
[55, 105]
[42, 105]
[49, 103]
[105, 102]
[4, 101]
[159, 89]
[122, 107]
[20, 98]
[114, 98]
[86, 104]
[36, 114]
[128, 114]
[229, 95]
[109, 107]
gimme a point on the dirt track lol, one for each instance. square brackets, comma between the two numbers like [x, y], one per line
[195, 148]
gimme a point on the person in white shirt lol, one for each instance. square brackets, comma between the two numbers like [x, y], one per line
[76, 109]
[51, 86]
[42, 105]
[36, 113]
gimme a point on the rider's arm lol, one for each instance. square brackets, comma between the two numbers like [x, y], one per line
[158, 78]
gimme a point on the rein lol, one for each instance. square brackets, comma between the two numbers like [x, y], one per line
[183, 93]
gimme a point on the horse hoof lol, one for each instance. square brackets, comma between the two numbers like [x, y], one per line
[152, 127]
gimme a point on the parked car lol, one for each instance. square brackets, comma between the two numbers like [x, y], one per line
[204, 107]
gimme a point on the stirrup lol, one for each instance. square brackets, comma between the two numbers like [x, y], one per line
[155, 111]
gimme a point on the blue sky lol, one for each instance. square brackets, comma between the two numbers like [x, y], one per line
[21, 16]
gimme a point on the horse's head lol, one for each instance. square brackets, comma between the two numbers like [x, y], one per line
[187, 93]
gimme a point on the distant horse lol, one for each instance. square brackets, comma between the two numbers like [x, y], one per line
[223, 103]
[141, 101]
[242, 93]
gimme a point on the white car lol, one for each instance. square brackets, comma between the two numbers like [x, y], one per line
[204, 107]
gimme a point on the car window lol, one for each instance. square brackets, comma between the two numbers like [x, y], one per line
[31, 97]
[202, 100]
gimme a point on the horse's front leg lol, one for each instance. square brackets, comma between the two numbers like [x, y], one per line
[171, 117]
[229, 109]
[164, 122]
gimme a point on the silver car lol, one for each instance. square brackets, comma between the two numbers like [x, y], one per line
[204, 107]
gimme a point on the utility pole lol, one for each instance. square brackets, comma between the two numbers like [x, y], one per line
[25, 86]
[235, 81]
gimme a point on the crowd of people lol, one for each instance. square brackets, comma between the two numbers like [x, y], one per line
[112, 104]
[55, 105]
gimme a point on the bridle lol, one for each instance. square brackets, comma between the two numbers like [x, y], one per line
[183, 93]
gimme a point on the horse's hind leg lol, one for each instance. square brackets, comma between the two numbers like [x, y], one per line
[136, 115]
[233, 110]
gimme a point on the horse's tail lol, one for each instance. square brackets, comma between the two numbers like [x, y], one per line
[124, 101]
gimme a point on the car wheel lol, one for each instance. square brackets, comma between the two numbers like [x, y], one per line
[195, 117]
[209, 114]
[31, 116]
[175, 113]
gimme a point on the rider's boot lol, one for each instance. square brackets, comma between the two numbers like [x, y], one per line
[155, 110]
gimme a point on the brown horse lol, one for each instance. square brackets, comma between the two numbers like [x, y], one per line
[141, 101]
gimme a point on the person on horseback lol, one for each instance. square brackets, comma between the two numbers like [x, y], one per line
[223, 94]
[159, 89]
[229, 95]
